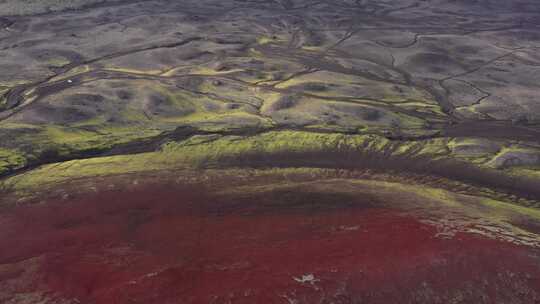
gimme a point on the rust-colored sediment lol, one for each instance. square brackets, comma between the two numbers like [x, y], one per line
[177, 245]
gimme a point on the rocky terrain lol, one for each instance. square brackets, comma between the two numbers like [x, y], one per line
[294, 151]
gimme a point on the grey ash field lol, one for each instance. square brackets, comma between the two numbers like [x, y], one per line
[439, 95]
[463, 73]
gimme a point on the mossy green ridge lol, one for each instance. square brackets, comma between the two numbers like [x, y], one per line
[197, 151]
[217, 150]
[70, 140]
[48, 143]
[11, 160]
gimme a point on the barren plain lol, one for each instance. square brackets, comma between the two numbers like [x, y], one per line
[283, 151]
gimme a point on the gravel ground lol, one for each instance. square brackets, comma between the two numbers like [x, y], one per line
[31, 7]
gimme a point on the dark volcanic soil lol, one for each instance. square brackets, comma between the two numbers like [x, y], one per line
[177, 245]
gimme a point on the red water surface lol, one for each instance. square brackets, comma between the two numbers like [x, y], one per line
[165, 245]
